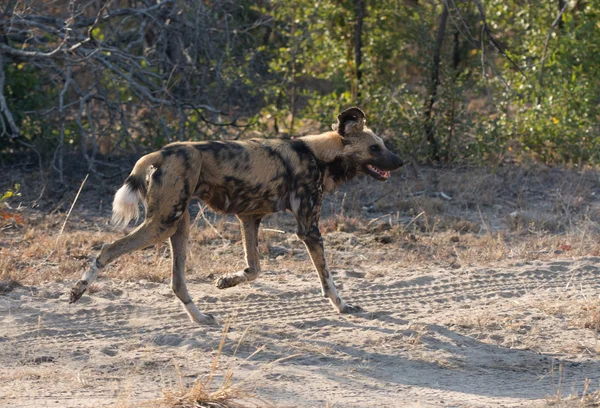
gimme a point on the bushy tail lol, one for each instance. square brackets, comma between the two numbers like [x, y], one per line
[126, 202]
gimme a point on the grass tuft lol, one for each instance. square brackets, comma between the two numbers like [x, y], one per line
[207, 392]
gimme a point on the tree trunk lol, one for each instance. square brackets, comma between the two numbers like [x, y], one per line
[561, 5]
[454, 103]
[456, 52]
[8, 128]
[293, 91]
[360, 15]
[434, 149]
[557, 22]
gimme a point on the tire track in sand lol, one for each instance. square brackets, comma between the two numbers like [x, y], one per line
[102, 319]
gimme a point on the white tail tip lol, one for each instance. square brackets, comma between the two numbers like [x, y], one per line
[125, 206]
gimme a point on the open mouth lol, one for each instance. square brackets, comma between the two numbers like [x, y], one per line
[377, 173]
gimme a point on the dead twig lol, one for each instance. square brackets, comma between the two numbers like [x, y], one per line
[71, 209]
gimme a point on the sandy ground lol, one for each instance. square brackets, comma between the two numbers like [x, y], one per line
[428, 337]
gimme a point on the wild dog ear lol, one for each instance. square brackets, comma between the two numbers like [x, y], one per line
[350, 120]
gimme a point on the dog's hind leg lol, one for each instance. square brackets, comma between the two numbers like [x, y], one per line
[150, 232]
[249, 224]
[179, 242]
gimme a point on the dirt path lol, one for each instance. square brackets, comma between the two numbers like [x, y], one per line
[472, 337]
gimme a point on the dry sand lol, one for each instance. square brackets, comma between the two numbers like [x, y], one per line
[428, 337]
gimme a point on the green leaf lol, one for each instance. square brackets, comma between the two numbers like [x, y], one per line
[7, 195]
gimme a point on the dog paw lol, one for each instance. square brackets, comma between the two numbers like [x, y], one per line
[352, 309]
[234, 279]
[197, 317]
[78, 291]
[225, 282]
[205, 319]
[211, 320]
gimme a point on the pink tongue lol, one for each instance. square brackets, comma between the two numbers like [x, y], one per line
[381, 172]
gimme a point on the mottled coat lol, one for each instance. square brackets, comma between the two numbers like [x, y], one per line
[249, 179]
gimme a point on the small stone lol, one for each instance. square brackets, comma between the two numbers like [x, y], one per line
[277, 250]
[166, 340]
[7, 285]
[384, 239]
[352, 241]
[42, 359]
[353, 274]
[109, 351]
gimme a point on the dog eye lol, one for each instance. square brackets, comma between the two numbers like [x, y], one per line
[375, 148]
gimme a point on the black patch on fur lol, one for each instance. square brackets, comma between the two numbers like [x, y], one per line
[222, 151]
[218, 199]
[136, 183]
[240, 196]
[178, 209]
[342, 169]
[234, 180]
[186, 188]
[179, 151]
[203, 191]
[157, 176]
[301, 149]
[310, 181]
[311, 235]
[289, 172]
[244, 188]
[209, 146]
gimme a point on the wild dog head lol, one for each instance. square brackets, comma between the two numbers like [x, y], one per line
[364, 147]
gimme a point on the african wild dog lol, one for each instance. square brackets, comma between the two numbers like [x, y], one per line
[249, 179]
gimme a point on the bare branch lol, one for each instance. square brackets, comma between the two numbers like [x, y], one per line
[129, 78]
[492, 40]
[557, 22]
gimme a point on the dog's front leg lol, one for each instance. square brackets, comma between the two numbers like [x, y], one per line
[308, 232]
[249, 224]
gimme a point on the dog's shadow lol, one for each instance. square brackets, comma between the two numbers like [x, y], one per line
[424, 355]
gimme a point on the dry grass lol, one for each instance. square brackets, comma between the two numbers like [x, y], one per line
[583, 313]
[205, 392]
[477, 322]
[585, 400]
[416, 336]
